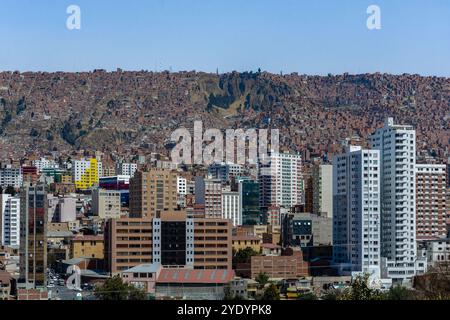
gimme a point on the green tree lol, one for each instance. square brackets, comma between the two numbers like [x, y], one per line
[10, 190]
[244, 255]
[230, 296]
[115, 289]
[262, 278]
[399, 293]
[307, 296]
[271, 293]
[360, 290]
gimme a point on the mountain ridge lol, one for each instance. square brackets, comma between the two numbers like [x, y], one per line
[134, 112]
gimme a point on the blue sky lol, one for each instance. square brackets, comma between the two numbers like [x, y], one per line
[311, 37]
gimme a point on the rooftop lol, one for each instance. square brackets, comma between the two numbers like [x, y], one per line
[195, 276]
[145, 268]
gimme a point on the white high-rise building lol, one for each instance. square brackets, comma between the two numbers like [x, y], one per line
[281, 181]
[127, 169]
[231, 207]
[10, 176]
[397, 146]
[86, 172]
[9, 220]
[208, 192]
[356, 211]
[44, 163]
[225, 171]
[322, 179]
[181, 191]
[181, 185]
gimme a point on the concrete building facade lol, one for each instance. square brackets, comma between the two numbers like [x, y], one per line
[431, 201]
[356, 211]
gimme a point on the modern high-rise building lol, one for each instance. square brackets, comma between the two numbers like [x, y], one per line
[181, 191]
[397, 146]
[9, 220]
[33, 236]
[106, 203]
[44, 163]
[249, 201]
[171, 239]
[322, 188]
[153, 192]
[61, 209]
[86, 173]
[181, 185]
[308, 182]
[10, 177]
[431, 201]
[128, 243]
[281, 182]
[126, 169]
[356, 211]
[118, 183]
[231, 207]
[208, 192]
[306, 229]
[224, 171]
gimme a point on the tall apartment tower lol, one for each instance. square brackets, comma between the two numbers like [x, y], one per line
[106, 203]
[153, 192]
[172, 239]
[9, 220]
[431, 201]
[10, 176]
[356, 211]
[322, 180]
[249, 201]
[281, 182]
[397, 146]
[208, 192]
[86, 173]
[33, 236]
[181, 191]
[126, 169]
[231, 207]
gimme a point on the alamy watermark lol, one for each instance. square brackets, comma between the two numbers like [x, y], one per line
[74, 280]
[240, 146]
[374, 20]
[73, 21]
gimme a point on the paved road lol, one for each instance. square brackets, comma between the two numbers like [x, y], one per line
[64, 293]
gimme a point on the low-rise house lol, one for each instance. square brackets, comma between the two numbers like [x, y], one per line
[245, 288]
[87, 246]
[436, 250]
[244, 241]
[269, 249]
[193, 284]
[280, 267]
[6, 282]
[143, 276]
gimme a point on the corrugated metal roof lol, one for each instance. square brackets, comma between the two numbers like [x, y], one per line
[195, 276]
[144, 268]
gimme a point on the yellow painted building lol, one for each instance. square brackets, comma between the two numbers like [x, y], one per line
[86, 173]
[243, 241]
[66, 178]
[87, 247]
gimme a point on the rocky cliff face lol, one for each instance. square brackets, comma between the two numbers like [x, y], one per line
[136, 111]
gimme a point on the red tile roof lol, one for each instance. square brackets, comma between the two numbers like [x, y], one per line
[246, 238]
[195, 276]
[88, 238]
